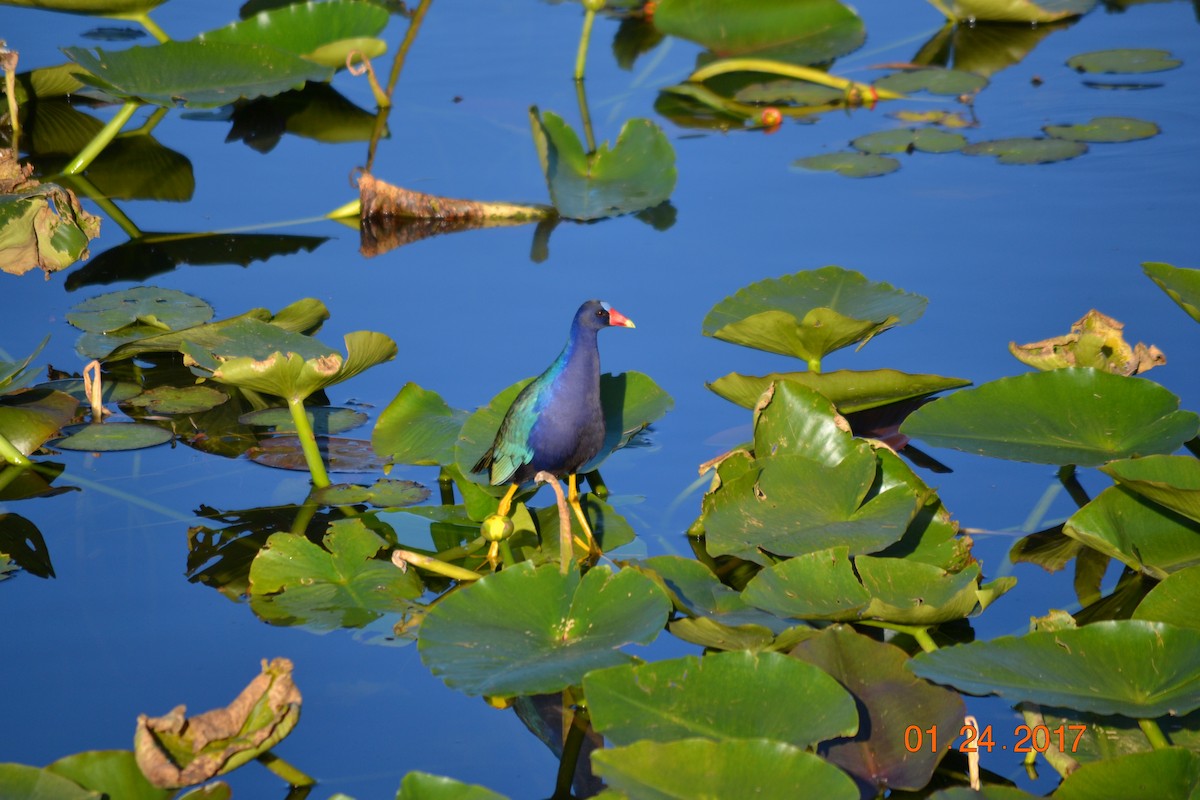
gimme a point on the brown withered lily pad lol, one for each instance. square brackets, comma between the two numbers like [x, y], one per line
[1095, 341]
[175, 750]
[339, 454]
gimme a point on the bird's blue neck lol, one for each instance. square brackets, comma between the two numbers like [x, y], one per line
[580, 355]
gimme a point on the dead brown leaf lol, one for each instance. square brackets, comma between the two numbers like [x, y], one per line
[1097, 341]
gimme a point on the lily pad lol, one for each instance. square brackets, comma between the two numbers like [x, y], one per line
[195, 74]
[175, 751]
[808, 33]
[1175, 601]
[906, 140]
[1130, 667]
[343, 585]
[789, 92]
[820, 585]
[384, 493]
[934, 80]
[322, 32]
[30, 419]
[636, 173]
[338, 453]
[848, 390]
[1141, 534]
[102, 7]
[530, 630]
[1173, 772]
[42, 225]
[1171, 481]
[693, 768]
[721, 696]
[1065, 416]
[179, 399]
[812, 313]
[912, 593]
[23, 782]
[1105, 129]
[889, 700]
[1018, 10]
[1181, 284]
[114, 773]
[164, 309]
[112, 436]
[1124, 61]
[1096, 341]
[417, 427]
[1027, 150]
[423, 786]
[850, 164]
[325, 420]
[16, 374]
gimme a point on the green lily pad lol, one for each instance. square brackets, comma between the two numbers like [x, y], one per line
[812, 313]
[850, 164]
[1175, 601]
[792, 419]
[423, 786]
[807, 33]
[384, 493]
[1140, 533]
[848, 390]
[417, 427]
[1027, 150]
[325, 420]
[322, 32]
[1124, 61]
[112, 436]
[179, 399]
[164, 309]
[721, 696]
[101, 7]
[23, 782]
[1105, 129]
[16, 374]
[1181, 284]
[175, 751]
[1019, 10]
[43, 226]
[1171, 481]
[693, 768]
[338, 453]
[906, 140]
[195, 74]
[934, 80]
[1130, 667]
[636, 173]
[890, 699]
[610, 528]
[912, 593]
[819, 585]
[343, 585]
[30, 419]
[531, 630]
[1064, 416]
[115, 773]
[1173, 772]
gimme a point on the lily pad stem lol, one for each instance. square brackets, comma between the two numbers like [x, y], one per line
[727, 65]
[1154, 734]
[589, 16]
[402, 558]
[814, 365]
[1062, 762]
[308, 443]
[570, 755]
[597, 484]
[919, 632]
[446, 487]
[101, 140]
[283, 769]
[12, 455]
[585, 116]
[143, 19]
[1070, 481]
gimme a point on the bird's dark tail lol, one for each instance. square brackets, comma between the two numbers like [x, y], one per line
[485, 462]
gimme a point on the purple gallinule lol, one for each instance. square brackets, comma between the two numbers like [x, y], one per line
[556, 424]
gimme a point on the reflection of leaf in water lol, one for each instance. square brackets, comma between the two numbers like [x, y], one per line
[983, 49]
[318, 112]
[23, 544]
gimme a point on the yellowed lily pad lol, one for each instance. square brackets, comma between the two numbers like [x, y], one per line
[175, 750]
[1094, 341]
[339, 454]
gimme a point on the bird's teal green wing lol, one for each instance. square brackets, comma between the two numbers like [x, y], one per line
[511, 450]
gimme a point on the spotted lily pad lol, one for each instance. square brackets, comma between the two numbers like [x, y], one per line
[1124, 61]
[179, 399]
[112, 436]
[532, 630]
[384, 493]
[927, 140]
[1180, 283]
[1105, 129]
[342, 585]
[850, 164]
[934, 80]
[164, 309]
[325, 420]
[1027, 150]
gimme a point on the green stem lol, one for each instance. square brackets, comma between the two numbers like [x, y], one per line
[1070, 482]
[506, 555]
[814, 365]
[462, 551]
[410, 36]
[585, 115]
[283, 769]
[147, 127]
[572, 747]
[9, 474]
[308, 443]
[446, 487]
[589, 16]
[351, 209]
[433, 565]
[1154, 734]
[12, 455]
[597, 484]
[304, 516]
[919, 632]
[101, 140]
[85, 187]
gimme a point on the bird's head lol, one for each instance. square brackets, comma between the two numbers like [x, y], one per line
[596, 314]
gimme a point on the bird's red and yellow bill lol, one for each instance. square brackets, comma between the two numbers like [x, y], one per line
[617, 318]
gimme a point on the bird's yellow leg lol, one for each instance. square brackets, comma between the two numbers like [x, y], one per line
[573, 501]
[506, 501]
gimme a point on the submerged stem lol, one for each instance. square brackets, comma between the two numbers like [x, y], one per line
[1154, 734]
[101, 140]
[572, 747]
[1069, 478]
[308, 444]
[283, 769]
